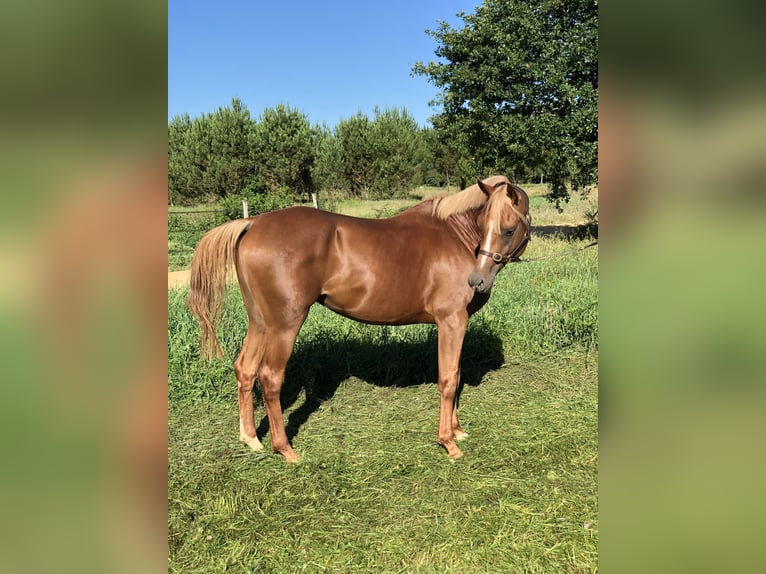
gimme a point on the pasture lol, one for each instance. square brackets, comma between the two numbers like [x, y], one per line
[374, 492]
[186, 226]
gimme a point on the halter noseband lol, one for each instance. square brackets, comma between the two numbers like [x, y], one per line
[499, 258]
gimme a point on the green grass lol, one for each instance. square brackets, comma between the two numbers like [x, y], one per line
[374, 492]
[387, 207]
[376, 209]
[186, 226]
[578, 210]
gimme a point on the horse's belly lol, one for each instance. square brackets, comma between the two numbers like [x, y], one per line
[375, 307]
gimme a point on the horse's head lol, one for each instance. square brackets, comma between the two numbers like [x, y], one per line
[505, 227]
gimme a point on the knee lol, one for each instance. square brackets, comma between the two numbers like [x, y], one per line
[270, 392]
[245, 378]
[271, 383]
[447, 387]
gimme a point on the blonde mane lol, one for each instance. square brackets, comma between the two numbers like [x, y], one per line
[470, 198]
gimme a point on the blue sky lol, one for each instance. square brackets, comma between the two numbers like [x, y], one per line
[328, 59]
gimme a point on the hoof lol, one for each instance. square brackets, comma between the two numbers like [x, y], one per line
[456, 453]
[460, 434]
[452, 450]
[251, 441]
[290, 456]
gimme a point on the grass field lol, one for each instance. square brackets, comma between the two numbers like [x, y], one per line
[186, 226]
[374, 492]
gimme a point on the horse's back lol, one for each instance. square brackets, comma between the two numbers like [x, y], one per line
[373, 270]
[306, 229]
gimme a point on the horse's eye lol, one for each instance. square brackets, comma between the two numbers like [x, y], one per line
[508, 232]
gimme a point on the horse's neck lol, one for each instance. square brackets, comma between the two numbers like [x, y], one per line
[463, 225]
[466, 228]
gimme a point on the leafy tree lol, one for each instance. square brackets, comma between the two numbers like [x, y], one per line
[230, 167]
[398, 149]
[282, 146]
[448, 160]
[179, 174]
[381, 157]
[327, 171]
[353, 135]
[437, 164]
[208, 156]
[519, 89]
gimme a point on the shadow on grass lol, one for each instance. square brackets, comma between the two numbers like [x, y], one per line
[568, 232]
[320, 366]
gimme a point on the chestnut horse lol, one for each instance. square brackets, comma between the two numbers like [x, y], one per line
[433, 263]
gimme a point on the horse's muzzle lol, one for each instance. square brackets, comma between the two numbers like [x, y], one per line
[478, 283]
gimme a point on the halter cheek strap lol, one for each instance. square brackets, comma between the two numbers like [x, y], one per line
[499, 258]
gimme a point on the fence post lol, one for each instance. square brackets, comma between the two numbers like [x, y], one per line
[244, 209]
[314, 200]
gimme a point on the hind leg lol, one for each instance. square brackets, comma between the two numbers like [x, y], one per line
[279, 347]
[246, 368]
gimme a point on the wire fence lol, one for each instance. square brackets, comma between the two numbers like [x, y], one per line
[185, 229]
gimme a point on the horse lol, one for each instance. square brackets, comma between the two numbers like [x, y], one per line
[435, 262]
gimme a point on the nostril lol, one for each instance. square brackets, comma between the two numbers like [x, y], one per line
[475, 282]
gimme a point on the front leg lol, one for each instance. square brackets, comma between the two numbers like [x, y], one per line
[457, 430]
[451, 331]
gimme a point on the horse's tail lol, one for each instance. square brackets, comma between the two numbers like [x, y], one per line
[210, 267]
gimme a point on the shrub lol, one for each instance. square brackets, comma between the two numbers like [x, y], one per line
[256, 202]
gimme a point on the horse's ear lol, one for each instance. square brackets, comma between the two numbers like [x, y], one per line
[485, 188]
[514, 194]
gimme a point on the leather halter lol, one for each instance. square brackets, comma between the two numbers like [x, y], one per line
[499, 258]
